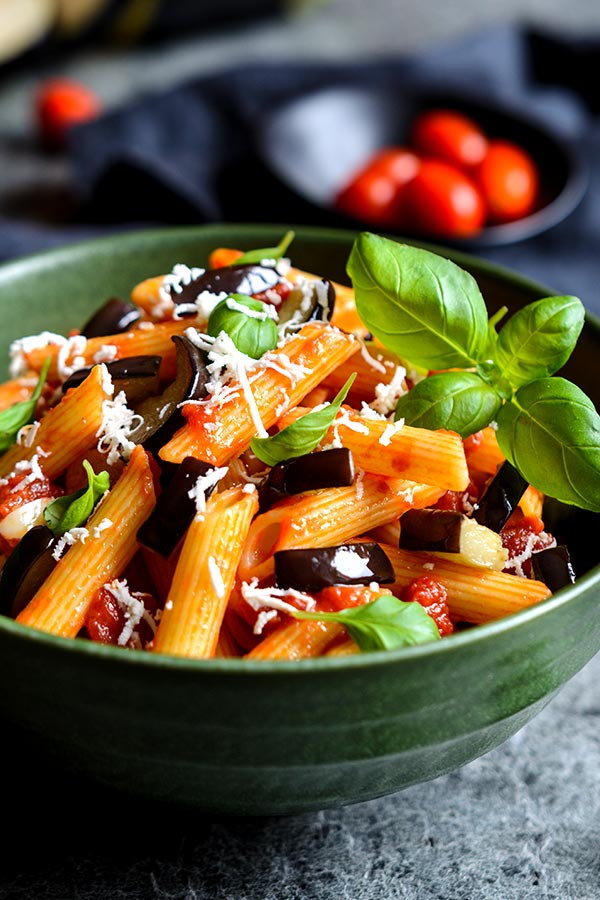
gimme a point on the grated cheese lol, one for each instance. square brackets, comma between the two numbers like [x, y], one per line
[202, 484]
[216, 579]
[21, 348]
[102, 526]
[387, 395]
[388, 433]
[133, 609]
[272, 599]
[68, 539]
[70, 356]
[118, 421]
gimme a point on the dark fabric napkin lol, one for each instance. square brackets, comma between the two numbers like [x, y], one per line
[188, 155]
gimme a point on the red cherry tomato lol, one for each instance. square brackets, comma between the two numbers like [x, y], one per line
[450, 135]
[509, 180]
[375, 192]
[60, 104]
[442, 201]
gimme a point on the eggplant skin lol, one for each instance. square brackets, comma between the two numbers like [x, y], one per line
[114, 317]
[174, 510]
[431, 529]
[500, 498]
[553, 567]
[26, 569]
[314, 569]
[309, 472]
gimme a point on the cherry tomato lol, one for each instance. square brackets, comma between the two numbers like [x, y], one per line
[60, 104]
[442, 201]
[375, 192]
[450, 135]
[509, 180]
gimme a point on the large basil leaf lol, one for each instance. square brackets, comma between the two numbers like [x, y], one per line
[550, 432]
[539, 339]
[458, 401]
[73, 510]
[418, 304]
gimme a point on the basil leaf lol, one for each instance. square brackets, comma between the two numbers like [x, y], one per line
[257, 256]
[458, 401]
[538, 339]
[384, 624]
[253, 332]
[418, 304]
[74, 510]
[19, 414]
[550, 432]
[301, 436]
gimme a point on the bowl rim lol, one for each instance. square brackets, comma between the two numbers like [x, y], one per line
[536, 222]
[74, 252]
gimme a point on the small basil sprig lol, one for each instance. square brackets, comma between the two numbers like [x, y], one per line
[257, 256]
[418, 305]
[74, 510]
[19, 414]
[253, 332]
[384, 624]
[301, 436]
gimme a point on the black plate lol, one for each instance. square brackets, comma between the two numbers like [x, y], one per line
[316, 142]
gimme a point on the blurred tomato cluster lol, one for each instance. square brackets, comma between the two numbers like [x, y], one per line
[451, 179]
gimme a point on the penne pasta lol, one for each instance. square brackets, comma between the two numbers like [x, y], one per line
[61, 604]
[328, 517]
[66, 432]
[397, 450]
[181, 535]
[204, 576]
[475, 595]
[218, 429]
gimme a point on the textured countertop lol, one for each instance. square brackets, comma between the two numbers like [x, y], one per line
[522, 822]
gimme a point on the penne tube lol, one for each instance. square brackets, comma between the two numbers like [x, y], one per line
[474, 594]
[297, 640]
[149, 338]
[193, 614]
[374, 366]
[61, 604]
[219, 429]
[67, 430]
[398, 451]
[328, 517]
[147, 295]
[484, 456]
[532, 502]
[17, 389]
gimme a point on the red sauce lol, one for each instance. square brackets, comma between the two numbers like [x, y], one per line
[106, 619]
[433, 596]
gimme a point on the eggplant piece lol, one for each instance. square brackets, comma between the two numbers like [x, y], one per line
[316, 568]
[136, 376]
[26, 569]
[175, 509]
[161, 417]
[553, 567]
[450, 532]
[316, 308]
[309, 472]
[114, 317]
[244, 279]
[500, 498]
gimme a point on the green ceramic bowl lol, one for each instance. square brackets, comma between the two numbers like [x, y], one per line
[270, 738]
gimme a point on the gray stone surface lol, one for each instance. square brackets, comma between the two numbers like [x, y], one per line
[522, 823]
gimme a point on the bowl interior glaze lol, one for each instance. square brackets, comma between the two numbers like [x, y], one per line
[274, 738]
